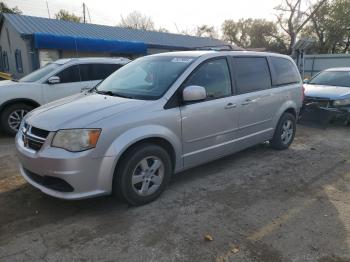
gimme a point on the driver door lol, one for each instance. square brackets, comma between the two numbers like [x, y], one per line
[70, 84]
[209, 126]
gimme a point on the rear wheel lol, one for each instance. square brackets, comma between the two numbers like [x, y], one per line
[285, 132]
[143, 174]
[12, 116]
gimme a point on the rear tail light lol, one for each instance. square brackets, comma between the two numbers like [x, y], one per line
[303, 94]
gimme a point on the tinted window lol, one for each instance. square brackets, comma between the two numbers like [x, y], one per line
[214, 76]
[332, 78]
[251, 74]
[69, 75]
[90, 72]
[285, 71]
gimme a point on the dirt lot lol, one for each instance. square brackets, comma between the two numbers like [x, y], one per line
[258, 205]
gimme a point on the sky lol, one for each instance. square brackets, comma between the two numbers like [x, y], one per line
[175, 15]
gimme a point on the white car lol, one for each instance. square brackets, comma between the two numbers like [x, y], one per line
[56, 80]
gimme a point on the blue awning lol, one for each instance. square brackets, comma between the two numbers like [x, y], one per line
[49, 41]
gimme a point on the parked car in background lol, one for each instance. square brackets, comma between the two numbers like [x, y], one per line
[5, 76]
[327, 95]
[55, 80]
[159, 115]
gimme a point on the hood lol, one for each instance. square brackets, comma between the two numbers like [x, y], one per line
[78, 111]
[323, 91]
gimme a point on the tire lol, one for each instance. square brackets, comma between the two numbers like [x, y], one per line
[284, 135]
[13, 111]
[134, 183]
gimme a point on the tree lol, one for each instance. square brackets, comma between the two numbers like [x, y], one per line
[136, 20]
[66, 16]
[291, 19]
[206, 31]
[254, 33]
[330, 27]
[5, 9]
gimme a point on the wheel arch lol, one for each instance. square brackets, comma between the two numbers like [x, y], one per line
[26, 101]
[287, 107]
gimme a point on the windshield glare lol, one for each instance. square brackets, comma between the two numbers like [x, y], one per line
[146, 78]
[40, 73]
[332, 78]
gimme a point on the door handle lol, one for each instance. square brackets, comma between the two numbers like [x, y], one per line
[230, 105]
[247, 102]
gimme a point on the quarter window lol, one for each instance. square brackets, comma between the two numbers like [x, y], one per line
[284, 71]
[69, 75]
[214, 76]
[251, 74]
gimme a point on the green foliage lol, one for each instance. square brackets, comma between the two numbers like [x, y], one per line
[5, 9]
[66, 16]
[331, 27]
[254, 33]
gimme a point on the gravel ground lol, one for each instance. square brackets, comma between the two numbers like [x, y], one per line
[257, 205]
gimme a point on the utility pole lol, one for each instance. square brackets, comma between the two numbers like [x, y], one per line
[84, 12]
[48, 10]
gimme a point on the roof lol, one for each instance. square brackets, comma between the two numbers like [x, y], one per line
[29, 25]
[108, 60]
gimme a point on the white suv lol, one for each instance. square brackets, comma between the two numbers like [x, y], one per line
[56, 80]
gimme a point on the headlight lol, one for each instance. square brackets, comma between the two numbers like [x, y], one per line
[76, 140]
[342, 102]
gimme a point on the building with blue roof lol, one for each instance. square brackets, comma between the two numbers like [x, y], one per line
[28, 42]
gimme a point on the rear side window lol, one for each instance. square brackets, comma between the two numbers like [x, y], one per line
[214, 76]
[251, 74]
[91, 72]
[69, 75]
[284, 71]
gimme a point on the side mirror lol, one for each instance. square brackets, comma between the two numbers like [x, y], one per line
[54, 80]
[194, 93]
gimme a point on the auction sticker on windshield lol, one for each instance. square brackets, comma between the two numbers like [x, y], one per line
[181, 60]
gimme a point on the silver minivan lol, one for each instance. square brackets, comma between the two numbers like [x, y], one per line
[159, 115]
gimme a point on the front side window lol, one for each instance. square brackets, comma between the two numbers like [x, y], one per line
[69, 75]
[40, 73]
[214, 76]
[92, 72]
[285, 71]
[251, 74]
[145, 78]
[332, 78]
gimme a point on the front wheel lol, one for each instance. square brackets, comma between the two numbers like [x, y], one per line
[12, 116]
[143, 174]
[285, 132]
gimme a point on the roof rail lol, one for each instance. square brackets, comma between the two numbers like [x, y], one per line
[220, 48]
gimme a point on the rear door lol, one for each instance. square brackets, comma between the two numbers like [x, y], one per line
[257, 100]
[208, 127]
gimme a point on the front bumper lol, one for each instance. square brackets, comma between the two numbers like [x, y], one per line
[323, 111]
[64, 174]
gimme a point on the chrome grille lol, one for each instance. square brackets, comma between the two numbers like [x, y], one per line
[33, 137]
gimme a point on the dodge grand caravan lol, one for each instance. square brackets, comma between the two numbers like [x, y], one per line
[156, 116]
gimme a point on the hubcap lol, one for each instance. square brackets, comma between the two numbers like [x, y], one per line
[148, 176]
[287, 132]
[15, 118]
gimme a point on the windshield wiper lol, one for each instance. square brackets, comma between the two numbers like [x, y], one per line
[110, 93]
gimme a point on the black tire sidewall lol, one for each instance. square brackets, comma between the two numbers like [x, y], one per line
[6, 113]
[276, 142]
[127, 166]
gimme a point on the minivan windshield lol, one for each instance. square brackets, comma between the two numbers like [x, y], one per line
[332, 78]
[146, 78]
[40, 73]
